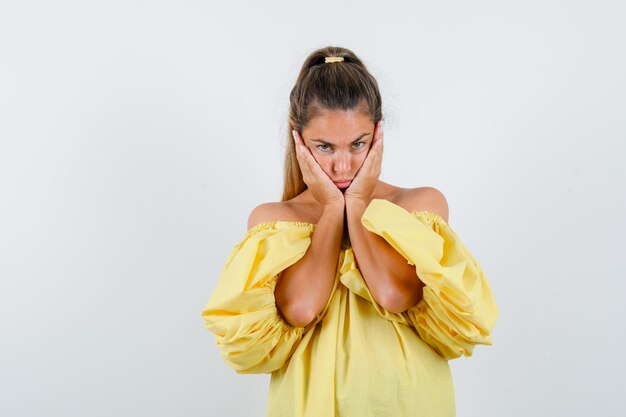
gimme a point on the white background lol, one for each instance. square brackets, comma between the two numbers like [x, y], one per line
[135, 138]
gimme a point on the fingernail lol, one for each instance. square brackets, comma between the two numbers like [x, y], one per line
[293, 133]
[381, 127]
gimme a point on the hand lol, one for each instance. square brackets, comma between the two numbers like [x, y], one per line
[363, 184]
[322, 187]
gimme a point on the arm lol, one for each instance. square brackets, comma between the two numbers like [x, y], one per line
[389, 276]
[304, 288]
[392, 281]
[241, 312]
[458, 309]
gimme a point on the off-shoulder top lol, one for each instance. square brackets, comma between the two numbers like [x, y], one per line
[355, 358]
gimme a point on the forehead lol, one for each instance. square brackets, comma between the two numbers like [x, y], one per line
[338, 126]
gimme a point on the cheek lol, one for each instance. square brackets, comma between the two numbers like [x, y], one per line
[324, 162]
[359, 159]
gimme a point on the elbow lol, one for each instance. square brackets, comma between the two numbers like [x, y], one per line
[393, 302]
[397, 301]
[297, 315]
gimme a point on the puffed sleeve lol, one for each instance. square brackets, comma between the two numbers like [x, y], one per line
[458, 310]
[241, 312]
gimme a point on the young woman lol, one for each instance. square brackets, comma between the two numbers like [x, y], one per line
[353, 293]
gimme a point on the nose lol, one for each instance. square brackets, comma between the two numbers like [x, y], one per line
[342, 163]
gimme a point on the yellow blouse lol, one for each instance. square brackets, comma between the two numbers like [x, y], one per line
[355, 358]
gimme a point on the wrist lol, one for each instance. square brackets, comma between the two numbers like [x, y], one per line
[356, 202]
[334, 206]
[355, 207]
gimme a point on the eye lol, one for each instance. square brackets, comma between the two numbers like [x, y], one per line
[360, 143]
[320, 147]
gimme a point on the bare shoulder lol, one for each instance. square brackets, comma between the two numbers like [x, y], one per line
[266, 212]
[278, 211]
[424, 198]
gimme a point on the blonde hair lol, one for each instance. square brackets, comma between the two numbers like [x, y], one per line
[321, 86]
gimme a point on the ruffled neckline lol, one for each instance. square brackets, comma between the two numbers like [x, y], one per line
[429, 216]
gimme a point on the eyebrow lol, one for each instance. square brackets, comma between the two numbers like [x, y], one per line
[325, 142]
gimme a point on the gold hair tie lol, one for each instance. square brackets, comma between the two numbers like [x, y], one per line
[333, 59]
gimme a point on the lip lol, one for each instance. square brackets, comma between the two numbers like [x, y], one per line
[343, 183]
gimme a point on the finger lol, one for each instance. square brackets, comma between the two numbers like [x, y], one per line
[379, 130]
[299, 142]
[301, 156]
[304, 151]
[375, 141]
[296, 137]
[374, 156]
[379, 144]
[308, 162]
[313, 166]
